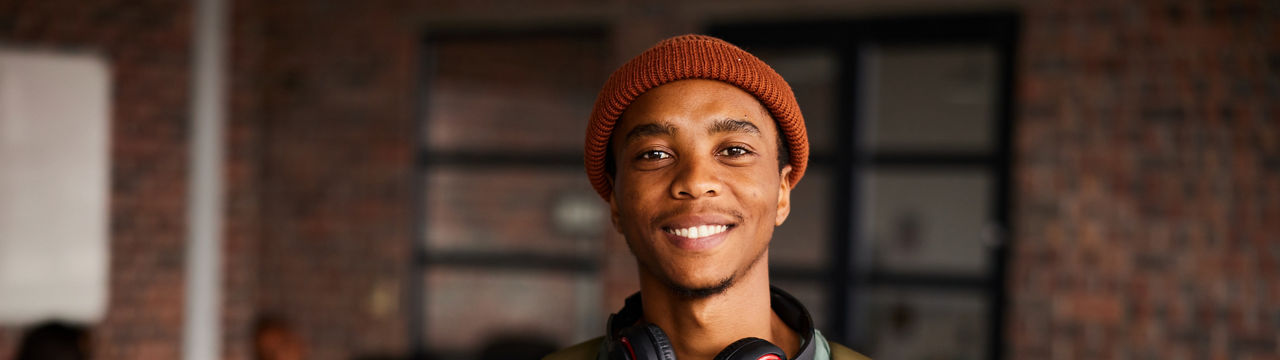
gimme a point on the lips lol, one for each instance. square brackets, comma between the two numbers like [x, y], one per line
[698, 232]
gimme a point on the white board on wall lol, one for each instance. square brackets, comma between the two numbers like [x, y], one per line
[54, 171]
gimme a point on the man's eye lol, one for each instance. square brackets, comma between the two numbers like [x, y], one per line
[654, 155]
[734, 151]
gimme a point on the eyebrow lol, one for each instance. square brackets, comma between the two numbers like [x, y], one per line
[733, 125]
[651, 129]
[719, 126]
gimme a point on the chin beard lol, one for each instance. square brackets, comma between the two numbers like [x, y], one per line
[692, 293]
[696, 293]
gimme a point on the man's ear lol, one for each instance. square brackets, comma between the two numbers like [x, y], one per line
[613, 204]
[784, 196]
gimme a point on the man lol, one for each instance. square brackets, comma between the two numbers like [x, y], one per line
[696, 145]
[55, 340]
[274, 338]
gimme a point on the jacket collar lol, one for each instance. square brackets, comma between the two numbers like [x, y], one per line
[790, 310]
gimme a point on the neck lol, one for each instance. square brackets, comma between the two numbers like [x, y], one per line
[701, 328]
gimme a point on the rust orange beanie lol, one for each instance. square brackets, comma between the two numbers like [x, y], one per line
[693, 57]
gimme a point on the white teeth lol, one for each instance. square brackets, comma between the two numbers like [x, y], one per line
[694, 232]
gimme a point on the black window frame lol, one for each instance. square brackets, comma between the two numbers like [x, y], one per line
[427, 160]
[841, 275]
[851, 160]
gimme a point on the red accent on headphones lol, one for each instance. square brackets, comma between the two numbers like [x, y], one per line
[769, 357]
[630, 350]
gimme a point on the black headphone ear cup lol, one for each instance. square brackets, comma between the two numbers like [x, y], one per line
[644, 342]
[752, 349]
[661, 342]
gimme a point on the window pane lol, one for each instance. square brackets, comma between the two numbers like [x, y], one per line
[927, 221]
[55, 131]
[921, 324]
[802, 240]
[930, 98]
[812, 74]
[468, 309]
[550, 212]
[482, 98]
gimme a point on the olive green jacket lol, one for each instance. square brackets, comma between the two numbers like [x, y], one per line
[594, 350]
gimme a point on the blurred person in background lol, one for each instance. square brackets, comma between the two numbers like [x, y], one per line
[54, 341]
[275, 339]
[516, 347]
[696, 145]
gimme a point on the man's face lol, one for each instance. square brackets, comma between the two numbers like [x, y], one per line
[697, 191]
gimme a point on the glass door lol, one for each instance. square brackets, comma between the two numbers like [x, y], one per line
[895, 241]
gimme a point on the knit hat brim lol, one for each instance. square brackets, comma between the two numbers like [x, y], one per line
[692, 57]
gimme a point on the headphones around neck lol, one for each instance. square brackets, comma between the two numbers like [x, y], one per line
[649, 342]
[627, 340]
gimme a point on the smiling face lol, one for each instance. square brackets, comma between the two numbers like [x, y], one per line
[697, 190]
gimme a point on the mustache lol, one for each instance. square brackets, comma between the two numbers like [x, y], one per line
[738, 216]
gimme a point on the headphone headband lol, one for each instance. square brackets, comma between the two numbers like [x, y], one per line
[624, 332]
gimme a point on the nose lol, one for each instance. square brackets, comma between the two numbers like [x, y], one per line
[694, 179]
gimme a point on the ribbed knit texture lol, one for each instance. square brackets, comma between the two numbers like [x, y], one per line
[693, 57]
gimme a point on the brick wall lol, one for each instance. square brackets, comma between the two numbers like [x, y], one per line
[243, 175]
[147, 44]
[1147, 168]
[336, 132]
[1148, 181]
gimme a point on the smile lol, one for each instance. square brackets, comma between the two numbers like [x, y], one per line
[700, 231]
